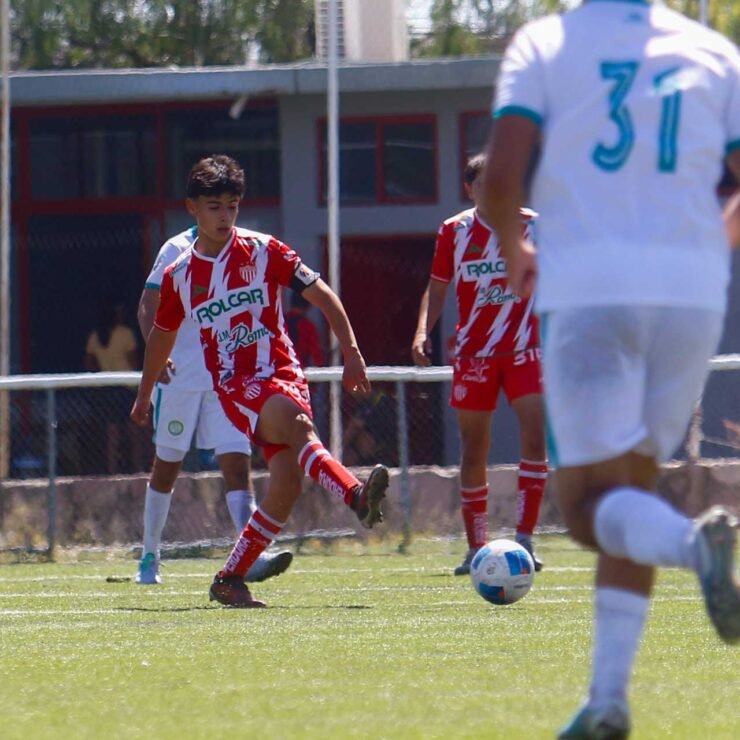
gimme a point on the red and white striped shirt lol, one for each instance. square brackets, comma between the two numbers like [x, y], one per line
[235, 299]
[492, 319]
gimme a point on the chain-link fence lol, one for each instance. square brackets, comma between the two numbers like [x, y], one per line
[78, 467]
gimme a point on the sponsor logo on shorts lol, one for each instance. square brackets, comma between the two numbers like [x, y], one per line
[475, 269]
[175, 428]
[209, 311]
[495, 296]
[476, 372]
[327, 482]
[459, 392]
[253, 391]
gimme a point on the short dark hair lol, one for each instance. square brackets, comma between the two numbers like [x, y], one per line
[473, 168]
[215, 175]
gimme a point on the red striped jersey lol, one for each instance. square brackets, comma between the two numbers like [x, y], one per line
[235, 299]
[492, 319]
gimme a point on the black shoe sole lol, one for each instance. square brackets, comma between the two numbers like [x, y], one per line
[377, 484]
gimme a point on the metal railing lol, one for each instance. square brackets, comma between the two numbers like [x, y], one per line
[398, 377]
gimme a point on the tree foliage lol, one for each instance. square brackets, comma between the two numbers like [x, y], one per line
[57, 34]
[50, 34]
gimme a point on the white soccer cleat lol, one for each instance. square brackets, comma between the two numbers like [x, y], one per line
[269, 565]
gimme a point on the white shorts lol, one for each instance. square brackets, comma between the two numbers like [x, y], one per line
[178, 415]
[621, 378]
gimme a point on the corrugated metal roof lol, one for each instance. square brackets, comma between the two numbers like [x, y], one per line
[150, 85]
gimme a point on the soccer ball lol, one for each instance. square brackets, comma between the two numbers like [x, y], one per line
[502, 572]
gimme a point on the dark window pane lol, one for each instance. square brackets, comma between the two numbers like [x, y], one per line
[93, 157]
[252, 140]
[476, 131]
[357, 158]
[408, 160]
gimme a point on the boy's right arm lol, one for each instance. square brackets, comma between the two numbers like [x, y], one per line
[430, 309]
[158, 348]
[148, 304]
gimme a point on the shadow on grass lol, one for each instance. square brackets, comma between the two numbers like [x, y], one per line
[208, 607]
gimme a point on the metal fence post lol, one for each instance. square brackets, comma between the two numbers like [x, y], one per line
[51, 446]
[403, 461]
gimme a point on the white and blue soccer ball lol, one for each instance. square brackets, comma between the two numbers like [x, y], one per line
[502, 571]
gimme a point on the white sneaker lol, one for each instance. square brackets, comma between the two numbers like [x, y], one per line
[269, 565]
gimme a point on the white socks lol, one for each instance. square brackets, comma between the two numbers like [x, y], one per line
[241, 505]
[634, 524]
[156, 508]
[619, 618]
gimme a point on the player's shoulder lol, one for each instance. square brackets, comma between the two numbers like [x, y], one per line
[178, 243]
[462, 220]
[169, 252]
[543, 31]
[693, 32]
[181, 261]
[250, 236]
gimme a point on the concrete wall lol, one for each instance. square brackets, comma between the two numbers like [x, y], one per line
[106, 511]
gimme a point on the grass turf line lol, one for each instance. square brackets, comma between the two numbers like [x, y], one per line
[361, 643]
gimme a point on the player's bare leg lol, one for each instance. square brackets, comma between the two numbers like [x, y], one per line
[283, 422]
[475, 440]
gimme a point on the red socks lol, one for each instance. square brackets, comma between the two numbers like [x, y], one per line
[328, 472]
[532, 480]
[260, 531]
[475, 515]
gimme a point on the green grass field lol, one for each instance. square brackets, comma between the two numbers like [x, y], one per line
[359, 642]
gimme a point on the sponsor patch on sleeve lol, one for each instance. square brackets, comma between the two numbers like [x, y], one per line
[303, 277]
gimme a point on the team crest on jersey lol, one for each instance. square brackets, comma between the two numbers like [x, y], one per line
[248, 272]
[253, 391]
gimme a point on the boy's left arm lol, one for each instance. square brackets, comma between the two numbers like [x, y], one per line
[319, 294]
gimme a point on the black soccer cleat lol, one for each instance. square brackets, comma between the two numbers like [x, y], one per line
[232, 591]
[367, 498]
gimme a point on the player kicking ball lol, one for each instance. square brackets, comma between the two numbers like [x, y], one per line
[230, 283]
[187, 407]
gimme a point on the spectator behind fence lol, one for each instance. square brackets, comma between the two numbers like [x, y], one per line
[111, 347]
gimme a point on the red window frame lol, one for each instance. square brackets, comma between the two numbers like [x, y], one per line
[380, 122]
[152, 208]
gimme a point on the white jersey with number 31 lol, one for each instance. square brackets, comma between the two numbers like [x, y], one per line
[638, 106]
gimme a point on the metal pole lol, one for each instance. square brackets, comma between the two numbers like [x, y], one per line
[51, 446]
[332, 114]
[703, 12]
[403, 461]
[5, 235]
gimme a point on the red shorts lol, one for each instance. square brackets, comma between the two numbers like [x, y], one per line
[242, 400]
[477, 381]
